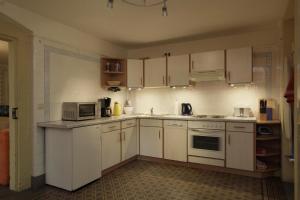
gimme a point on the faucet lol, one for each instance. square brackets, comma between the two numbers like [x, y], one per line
[152, 111]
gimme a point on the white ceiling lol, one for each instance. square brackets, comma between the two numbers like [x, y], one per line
[3, 52]
[135, 26]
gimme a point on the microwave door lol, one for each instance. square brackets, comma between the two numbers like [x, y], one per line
[86, 110]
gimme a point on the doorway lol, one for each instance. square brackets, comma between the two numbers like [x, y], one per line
[4, 116]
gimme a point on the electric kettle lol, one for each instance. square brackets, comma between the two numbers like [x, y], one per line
[186, 109]
[117, 109]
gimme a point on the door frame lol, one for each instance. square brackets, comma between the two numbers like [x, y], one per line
[20, 70]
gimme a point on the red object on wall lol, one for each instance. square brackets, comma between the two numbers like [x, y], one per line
[4, 157]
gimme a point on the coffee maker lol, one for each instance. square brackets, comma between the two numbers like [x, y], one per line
[105, 108]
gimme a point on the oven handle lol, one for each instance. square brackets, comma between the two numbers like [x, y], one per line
[206, 131]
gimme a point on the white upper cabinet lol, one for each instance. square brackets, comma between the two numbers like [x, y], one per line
[239, 65]
[178, 70]
[134, 73]
[155, 72]
[208, 61]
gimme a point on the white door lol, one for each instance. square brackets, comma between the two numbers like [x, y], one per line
[134, 73]
[175, 144]
[86, 155]
[178, 70]
[151, 142]
[239, 65]
[111, 149]
[129, 143]
[206, 61]
[155, 72]
[240, 151]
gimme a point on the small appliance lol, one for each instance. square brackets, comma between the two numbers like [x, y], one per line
[105, 108]
[242, 112]
[117, 109]
[76, 111]
[186, 109]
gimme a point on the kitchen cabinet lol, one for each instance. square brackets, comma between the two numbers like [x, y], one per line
[239, 65]
[111, 148]
[175, 140]
[135, 73]
[151, 138]
[129, 139]
[178, 70]
[155, 72]
[240, 146]
[73, 156]
[208, 61]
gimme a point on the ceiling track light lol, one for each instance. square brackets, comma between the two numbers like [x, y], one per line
[110, 4]
[143, 3]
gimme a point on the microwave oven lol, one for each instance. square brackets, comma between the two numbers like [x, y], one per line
[76, 111]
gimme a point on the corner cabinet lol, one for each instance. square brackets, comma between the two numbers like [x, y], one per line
[155, 72]
[178, 70]
[239, 65]
[73, 156]
[135, 73]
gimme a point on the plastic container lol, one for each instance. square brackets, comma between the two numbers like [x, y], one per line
[4, 157]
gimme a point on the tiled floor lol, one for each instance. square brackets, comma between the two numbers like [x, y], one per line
[146, 180]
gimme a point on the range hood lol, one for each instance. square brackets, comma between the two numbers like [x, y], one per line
[211, 75]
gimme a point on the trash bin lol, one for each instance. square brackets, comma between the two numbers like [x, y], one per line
[4, 157]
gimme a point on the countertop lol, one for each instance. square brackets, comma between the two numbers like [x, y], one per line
[76, 124]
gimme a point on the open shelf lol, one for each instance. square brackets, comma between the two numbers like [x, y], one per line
[268, 122]
[269, 169]
[267, 137]
[113, 69]
[268, 154]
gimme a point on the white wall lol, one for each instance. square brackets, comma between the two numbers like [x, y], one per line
[49, 33]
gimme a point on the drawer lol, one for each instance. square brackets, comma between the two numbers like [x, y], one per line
[128, 123]
[151, 122]
[111, 126]
[240, 127]
[175, 123]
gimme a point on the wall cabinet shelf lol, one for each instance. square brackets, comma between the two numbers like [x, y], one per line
[113, 69]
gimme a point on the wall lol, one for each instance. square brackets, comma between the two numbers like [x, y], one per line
[217, 97]
[49, 34]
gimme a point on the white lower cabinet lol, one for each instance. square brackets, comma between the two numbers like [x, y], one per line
[175, 140]
[151, 141]
[111, 148]
[73, 156]
[129, 142]
[240, 150]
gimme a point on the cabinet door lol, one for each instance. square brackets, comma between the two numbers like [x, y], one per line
[151, 141]
[155, 72]
[175, 144]
[239, 65]
[111, 149]
[129, 143]
[240, 150]
[206, 61]
[134, 73]
[86, 155]
[178, 70]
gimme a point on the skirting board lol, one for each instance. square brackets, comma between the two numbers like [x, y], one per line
[38, 181]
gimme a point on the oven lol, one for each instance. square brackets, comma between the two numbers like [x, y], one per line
[207, 143]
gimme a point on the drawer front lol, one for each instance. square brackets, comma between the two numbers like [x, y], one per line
[111, 127]
[151, 122]
[128, 123]
[175, 123]
[240, 127]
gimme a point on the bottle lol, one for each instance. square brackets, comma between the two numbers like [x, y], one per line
[117, 109]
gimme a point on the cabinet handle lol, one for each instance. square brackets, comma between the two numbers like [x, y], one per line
[169, 79]
[240, 127]
[124, 136]
[192, 64]
[159, 134]
[111, 127]
[228, 75]
[141, 81]
[121, 136]
[229, 139]
[163, 79]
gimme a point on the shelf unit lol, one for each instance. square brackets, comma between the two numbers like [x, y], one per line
[272, 146]
[113, 69]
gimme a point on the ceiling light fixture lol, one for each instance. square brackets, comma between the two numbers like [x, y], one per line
[110, 4]
[144, 3]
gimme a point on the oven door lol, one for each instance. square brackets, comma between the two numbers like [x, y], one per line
[206, 143]
[86, 111]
